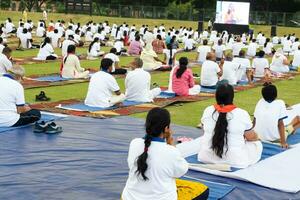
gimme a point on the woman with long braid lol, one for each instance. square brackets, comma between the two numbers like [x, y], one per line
[228, 136]
[155, 164]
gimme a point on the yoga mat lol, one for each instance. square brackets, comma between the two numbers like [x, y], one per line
[207, 90]
[52, 78]
[83, 107]
[166, 95]
[89, 161]
[47, 117]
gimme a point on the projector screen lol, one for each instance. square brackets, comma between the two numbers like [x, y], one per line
[229, 12]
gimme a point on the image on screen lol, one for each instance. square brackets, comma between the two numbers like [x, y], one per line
[228, 12]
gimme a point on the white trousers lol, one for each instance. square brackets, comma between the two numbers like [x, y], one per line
[117, 99]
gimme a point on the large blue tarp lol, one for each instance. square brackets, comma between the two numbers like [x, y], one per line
[87, 161]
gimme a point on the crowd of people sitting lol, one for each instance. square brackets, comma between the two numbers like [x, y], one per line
[226, 60]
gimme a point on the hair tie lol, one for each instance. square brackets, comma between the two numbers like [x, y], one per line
[146, 149]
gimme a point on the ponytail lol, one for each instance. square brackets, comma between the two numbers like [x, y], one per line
[91, 45]
[142, 165]
[183, 62]
[156, 122]
[219, 139]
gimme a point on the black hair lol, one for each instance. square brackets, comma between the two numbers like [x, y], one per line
[267, 41]
[92, 43]
[159, 37]
[261, 54]
[170, 47]
[183, 62]
[224, 96]
[1, 40]
[205, 42]
[55, 31]
[156, 122]
[46, 41]
[71, 49]
[113, 50]
[269, 92]
[106, 63]
[137, 38]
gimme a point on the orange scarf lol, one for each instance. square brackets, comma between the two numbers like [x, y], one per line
[224, 109]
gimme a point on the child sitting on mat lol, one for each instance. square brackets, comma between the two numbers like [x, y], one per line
[228, 136]
[269, 116]
[154, 164]
[104, 90]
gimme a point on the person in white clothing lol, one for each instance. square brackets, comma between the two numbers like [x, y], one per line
[230, 70]
[170, 56]
[287, 46]
[237, 47]
[219, 50]
[2, 46]
[279, 62]
[189, 44]
[260, 65]
[244, 70]
[228, 136]
[66, 44]
[296, 59]
[116, 69]
[252, 48]
[138, 83]
[104, 90]
[268, 47]
[25, 39]
[13, 110]
[275, 40]
[55, 39]
[45, 15]
[269, 117]
[94, 50]
[70, 67]
[203, 51]
[211, 72]
[40, 31]
[88, 35]
[5, 60]
[154, 164]
[46, 51]
[295, 45]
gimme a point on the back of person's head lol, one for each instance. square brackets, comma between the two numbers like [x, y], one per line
[261, 54]
[253, 40]
[47, 40]
[269, 92]
[183, 62]
[6, 51]
[224, 97]
[157, 122]
[211, 56]
[242, 54]
[138, 63]
[159, 37]
[1, 40]
[297, 39]
[220, 42]
[55, 31]
[113, 50]
[137, 37]
[71, 37]
[25, 30]
[205, 42]
[71, 48]
[229, 56]
[17, 71]
[106, 63]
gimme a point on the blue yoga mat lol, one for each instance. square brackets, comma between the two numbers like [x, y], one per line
[166, 95]
[294, 139]
[83, 107]
[216, 190]
[268, 151]
[52, 78]
[207, 90]
[45, 117]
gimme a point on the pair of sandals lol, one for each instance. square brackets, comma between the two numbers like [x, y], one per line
[48, 128]
[42, 97]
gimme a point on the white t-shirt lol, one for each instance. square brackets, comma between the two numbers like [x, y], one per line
[252, 49]
[1, 48]
[203, 50]
[244, 64]
[230, 72]
[287, 44]
[40, 31]
[137, 84]
[11, 96]
[24, 39]
[69, 32]
[296, 60]
[260, 64]
[119, 45]
[55, 37]
[165, 164]
[295, 46]
[236, 48]
[268, 48]
[209, 73]
[189, 44]
[277, 64]
[89, 36]
[275, 40]
[95, 49]
[219, 50]
[267, 116]
[5, 64]
[101, 88]
[65, 45]
[45, 51]
[239, 154]
[114, 58]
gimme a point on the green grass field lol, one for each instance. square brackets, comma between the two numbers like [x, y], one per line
[187, 114]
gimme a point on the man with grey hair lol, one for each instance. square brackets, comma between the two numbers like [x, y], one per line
[138, 83]
[230, 70]
[13, 111]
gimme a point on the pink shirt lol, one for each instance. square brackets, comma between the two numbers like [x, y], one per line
[135, 48]
[182, 85]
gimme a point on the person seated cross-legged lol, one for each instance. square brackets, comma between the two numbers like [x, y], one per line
[13, 111]
[138, 83]
[104, 90]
